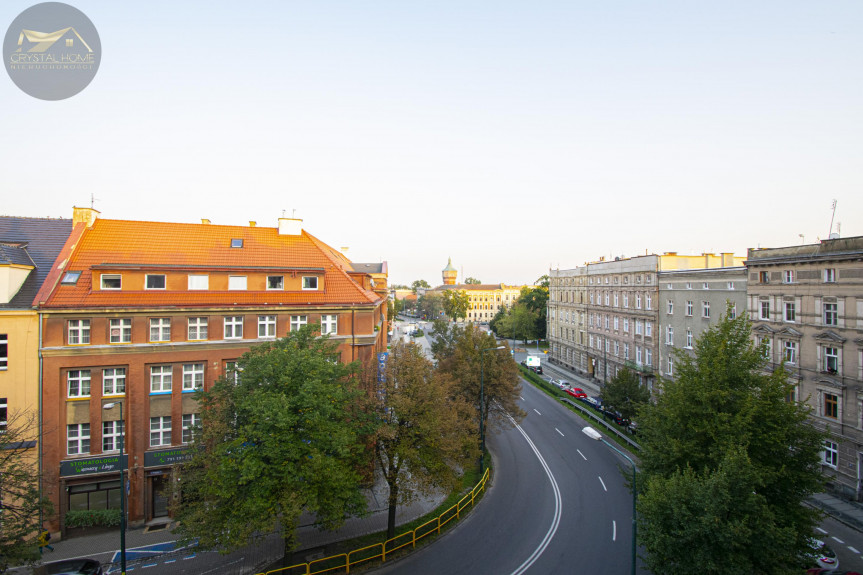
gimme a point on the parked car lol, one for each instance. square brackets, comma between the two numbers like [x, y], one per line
[561, 383]
[822, 571]
[594, 402]
[821, 555]
[576, 392]
[616, 417]
[70, 567]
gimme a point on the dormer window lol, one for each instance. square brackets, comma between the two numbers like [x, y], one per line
[310, 282]
[275, 282]
[71, 278]
[155, 281]
[113, 281]
[237, 242]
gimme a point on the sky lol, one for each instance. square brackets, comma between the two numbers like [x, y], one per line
[514, 137]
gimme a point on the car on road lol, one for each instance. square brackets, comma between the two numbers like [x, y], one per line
[561, 383]
[594, 402]
[576, 392]
[70, 567]
[821, 555]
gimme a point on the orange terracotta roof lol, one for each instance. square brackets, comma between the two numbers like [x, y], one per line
[124, 243]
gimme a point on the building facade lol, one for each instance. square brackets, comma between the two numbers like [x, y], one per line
[142, 314]
[485, 300]
[806, 306]
[690, 301]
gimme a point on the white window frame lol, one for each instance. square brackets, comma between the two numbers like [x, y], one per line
[266, 327]
[329, 324]
[81, 379]
[77, 438]
[789, 352]
[764, 310]
[307, 283]
[670, 307]
[648, 356]
[638, 355]
[161, 378]
[199, 282]
[790, 312]
[639, 329]
[193, 376]
[234, 326]
[669, 335]
[147, 281]
[161, 328]
[111, 433]
[626, 325]
[78, 331]
[110, 277]
[190, 422]
[197, 328]
[830, 454]
[298, 321]
[690, 308]
[648, 302]
[281, 283]
[669, 368]
[160, 431]
[114, 381]
[831, 313]
[829, 275]
[788, 276]
[4, 414]
[625, 351]
[688, 338]
[123, 327]
[826, 356]
[705, 309]
[4, 351]
[238, 283]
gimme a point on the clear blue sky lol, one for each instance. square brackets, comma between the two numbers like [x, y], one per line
[512, 136]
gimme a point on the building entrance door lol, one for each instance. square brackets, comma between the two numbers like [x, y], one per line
[160, 495]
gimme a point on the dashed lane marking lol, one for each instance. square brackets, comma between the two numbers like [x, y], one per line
[613, 530]
[852, 550]
[837, 540]
[582, 455]
[603, 483]
[560, 432]
[538, 413]
[821, 530]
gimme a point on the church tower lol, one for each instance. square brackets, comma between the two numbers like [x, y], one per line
[449, 274]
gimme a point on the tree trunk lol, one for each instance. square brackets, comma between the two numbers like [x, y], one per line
[391, 517]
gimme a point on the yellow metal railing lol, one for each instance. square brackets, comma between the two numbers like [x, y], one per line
[344, 561]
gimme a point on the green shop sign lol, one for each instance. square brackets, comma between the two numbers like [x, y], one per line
[166, 457]
[93, 465]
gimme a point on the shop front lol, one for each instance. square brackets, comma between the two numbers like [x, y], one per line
[159, 490]
[90, 484]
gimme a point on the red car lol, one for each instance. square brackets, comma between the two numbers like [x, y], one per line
[576, 392]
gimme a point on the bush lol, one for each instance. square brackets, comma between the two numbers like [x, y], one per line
[93, 518]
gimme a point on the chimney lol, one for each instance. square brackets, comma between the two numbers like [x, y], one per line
[290, 226]
[727, 259]
[252, 223]
[205, 221]
[84, 215]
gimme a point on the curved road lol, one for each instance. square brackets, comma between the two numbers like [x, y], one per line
[558, 504]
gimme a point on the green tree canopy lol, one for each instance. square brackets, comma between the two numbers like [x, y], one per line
[520, 323]
[536, 300]
[430, 305]
[725, 455]
[427, 431]
[472, 281]
[498, 323]
[455, 304]
[419, 284]
[289, 436]
[625, 393]
[20, 500]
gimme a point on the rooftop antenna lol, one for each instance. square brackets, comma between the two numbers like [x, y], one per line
[283, 213]
[802, 239]
[92, 201]
[829, 235]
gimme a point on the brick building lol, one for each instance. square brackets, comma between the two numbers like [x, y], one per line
[145, 313]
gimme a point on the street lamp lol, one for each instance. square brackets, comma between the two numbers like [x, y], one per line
[594, 434]
[122, 487]
[482, 404]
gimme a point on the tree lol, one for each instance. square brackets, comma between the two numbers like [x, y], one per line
[455, 303]
[498, 323]
[625, 393]
[20, 502]
[395, 307]
[536, 300]
[521, 323]
[427, 431]
[430, 305]
[419, 284]
[463, 361]
[472, 281]
[727, 461]
[288, 436]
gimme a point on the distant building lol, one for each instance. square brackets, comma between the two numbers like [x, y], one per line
[806, 306]
[449, 273]
[145, 313]
[485, 300]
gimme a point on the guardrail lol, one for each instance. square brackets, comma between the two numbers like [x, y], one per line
[344, 561]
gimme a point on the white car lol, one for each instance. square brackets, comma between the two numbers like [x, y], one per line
[822, 555]
[561, 383]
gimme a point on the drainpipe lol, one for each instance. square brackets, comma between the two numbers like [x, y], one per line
[353, 333]
[39, 438]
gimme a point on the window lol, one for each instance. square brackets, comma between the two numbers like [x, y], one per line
[829, 275]
[236, 242]
[638, 301]
[763, 277]
[625, 351]
[732, 313]
[70, 278]
[626, 300]
[198, 328]
[120, 330]
[591, 298]
[764, 310]
[329, 324]
[606, 296]
[266, 326]
[689, 339]
[615, 299]
[155, 281]
[648, 357]
[705, 309]
[78, 383]
[236, 283]
[111, 432]
[78, 438]
[101, 495]
[705, 285]
[311, 282]
[4, 351]
[193, 376]
[160, 329]
[670, 308]
[790, 311]
[831, 406]
[160, 378]
[112, 281]
[638, 329]
[616, 323]
[688, 285]
[788, 277]
[669, 335]
[234, 327]
[160, 431]
[648, 329]
[298, 321]
[605, 319]
[199, 282]
[790, 355]
[831, 454]
[232, 372]
[831, 314]
[79, 331]
[689, 308]
[638, 355]
[4, 414]
[190, 422]
[626, 325]
[831, 359]
[730, 285]
[669, 368]
[275, 282]
[617, 348]
[114, 381]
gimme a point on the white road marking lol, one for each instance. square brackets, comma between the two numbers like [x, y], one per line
[852, 550]
[613, 530]
[582, 455]
[560, 432]
[837, 540]
[558, 507]
[538, 413]
[821, 530]
[603, 483]
[522, 398]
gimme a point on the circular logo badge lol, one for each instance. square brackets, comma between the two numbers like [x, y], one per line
[52, 51]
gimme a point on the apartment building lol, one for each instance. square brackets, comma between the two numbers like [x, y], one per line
[142, 314]
[806, 305]
[690, 302]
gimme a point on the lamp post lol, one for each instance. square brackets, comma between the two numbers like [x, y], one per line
[594, 434]
[122, 488]
[482, 405]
